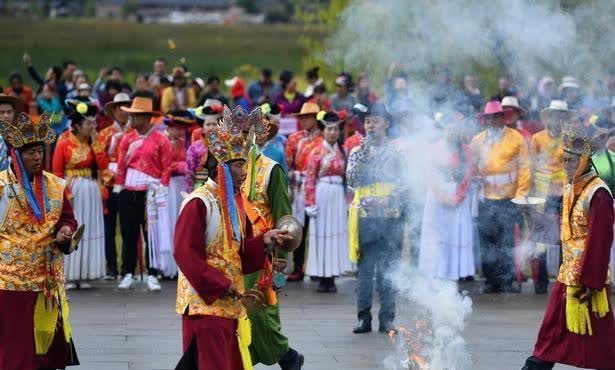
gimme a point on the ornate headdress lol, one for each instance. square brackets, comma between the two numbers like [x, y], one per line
[229, 142]
[25, 131]
[576, 141]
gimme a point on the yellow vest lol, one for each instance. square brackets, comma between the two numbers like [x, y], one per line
[258, 210]
[223, 255]
[574, 229]
[547, 160]
[503, 165]
[25, 246]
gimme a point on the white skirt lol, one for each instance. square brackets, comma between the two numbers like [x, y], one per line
[299, 203]
[177, 185]
[328, 231]
[88, 261]
[447, 238]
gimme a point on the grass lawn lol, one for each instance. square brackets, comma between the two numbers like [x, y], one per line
[94, 44]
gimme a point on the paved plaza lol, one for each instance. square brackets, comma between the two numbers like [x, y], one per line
[116, 330]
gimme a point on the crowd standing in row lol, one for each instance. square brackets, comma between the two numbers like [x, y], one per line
[180, 164]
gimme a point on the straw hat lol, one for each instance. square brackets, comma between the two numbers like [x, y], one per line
[118, 99]
[142, 105]
[308, 109]
[512, 103]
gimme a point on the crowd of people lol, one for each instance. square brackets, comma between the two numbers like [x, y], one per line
[174, 164]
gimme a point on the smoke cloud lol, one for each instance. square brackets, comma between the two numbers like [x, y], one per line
[525, 38]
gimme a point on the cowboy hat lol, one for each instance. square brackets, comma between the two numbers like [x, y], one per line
[554, 107]
[141, 105]
[15, 101]
[568, 82]
[118, 99]
[179, 118]
[308, 109]
[512, 103]
[494, 107]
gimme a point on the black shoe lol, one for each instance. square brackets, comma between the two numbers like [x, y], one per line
[492, 289]
[541, 288]
[332, 288]
[322, 286]
[533, 363]
[364, 326]
[292, 360]
[386, 327]
[512, 290]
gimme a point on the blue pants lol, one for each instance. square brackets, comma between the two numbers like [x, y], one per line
[380, 246]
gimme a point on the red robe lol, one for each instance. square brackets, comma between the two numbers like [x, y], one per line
[555, 343]
[215, 339]
[17, 323]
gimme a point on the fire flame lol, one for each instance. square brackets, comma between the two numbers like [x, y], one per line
[414, 339]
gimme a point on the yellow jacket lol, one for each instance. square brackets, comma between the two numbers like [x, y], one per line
[503, 163]
[548, 174]
[169, 98]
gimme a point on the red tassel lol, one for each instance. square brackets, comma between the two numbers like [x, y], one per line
[17, 170]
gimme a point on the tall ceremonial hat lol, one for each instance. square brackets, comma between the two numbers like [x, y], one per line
[228, 141]
[24, 131]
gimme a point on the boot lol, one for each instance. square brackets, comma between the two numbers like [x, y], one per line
[298, 275]
[386, 327]
[292, 360]
[365, 323]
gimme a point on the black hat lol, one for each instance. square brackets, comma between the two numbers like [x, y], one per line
[82, 105]
[379, 110]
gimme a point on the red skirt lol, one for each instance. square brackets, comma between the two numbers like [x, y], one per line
[214, 341]
[17, 351]
[556, 344]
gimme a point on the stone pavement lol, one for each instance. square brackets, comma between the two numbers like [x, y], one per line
[116, 330]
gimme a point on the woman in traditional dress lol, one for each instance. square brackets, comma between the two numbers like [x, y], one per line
[178, 122]
[75, 160]
[196, 156]
[326, 206]
[446, 239]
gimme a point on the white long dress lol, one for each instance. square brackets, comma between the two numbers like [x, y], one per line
[446, 237]
[177, 185]
[88, 261]
[328, 231]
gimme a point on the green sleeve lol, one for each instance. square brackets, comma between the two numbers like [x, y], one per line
[277, 193]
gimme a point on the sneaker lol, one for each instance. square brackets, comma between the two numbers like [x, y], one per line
[126, 283]
[110, 277]
[70, 286]
[152, 284]
[85, 286]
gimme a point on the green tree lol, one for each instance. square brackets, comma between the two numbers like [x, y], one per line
[319, 18]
